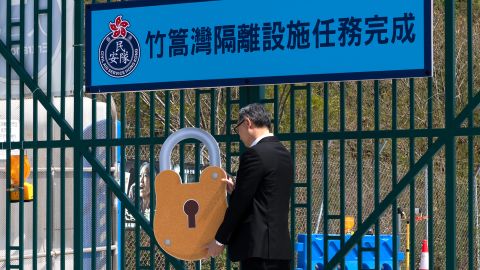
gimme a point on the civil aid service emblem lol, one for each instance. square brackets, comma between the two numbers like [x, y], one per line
[119, 52]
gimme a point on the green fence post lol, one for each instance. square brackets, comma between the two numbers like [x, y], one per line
[251, 94]
[78, 121]
[471, 153]
[450, 151]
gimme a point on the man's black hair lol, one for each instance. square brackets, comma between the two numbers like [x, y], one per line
[256, 113]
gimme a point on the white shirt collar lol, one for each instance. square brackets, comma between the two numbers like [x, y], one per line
[259, 138]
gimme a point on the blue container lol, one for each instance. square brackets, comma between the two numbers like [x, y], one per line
[351, 260]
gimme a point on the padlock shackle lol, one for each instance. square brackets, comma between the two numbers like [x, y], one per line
[189, 133]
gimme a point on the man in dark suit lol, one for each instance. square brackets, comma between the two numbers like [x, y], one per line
[255, 226]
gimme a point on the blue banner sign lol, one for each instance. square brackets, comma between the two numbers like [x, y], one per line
[166, 44]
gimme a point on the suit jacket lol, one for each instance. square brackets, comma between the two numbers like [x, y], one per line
[256, 220]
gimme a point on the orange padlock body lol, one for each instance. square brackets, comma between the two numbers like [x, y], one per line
[171, 223]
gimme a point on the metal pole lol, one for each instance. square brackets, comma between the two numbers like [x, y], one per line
[78, 121]
[450, 144]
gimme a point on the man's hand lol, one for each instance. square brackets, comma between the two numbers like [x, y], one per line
[214, 249]
[230, 183]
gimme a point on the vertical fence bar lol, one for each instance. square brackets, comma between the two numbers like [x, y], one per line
[309, 177]
[167, 113]
[181, 147]
[471, 179]
[93, 236]
[62, 136]
[325, 177]
[450, 155]
[276, 111]
[108, 199]
[411, 163]
[359, 170]
[471, 198]
[377, 171]
[197, 125]
[293, 154]
[276, 130]
[123, 121]
[152, 175]
[93, 186]
[166, 130]
[325, 174]
[167, 133]
[213, 131]
[342, 171]
[213, 112]
[49, 183]
[78, 124]
[21, 207]
[8, 108]
[430, 178]
[198, 153]
[35, 137]
[228, 163]
[394, 176]
[138, 242]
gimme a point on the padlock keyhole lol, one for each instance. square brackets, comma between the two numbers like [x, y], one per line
[191, 209]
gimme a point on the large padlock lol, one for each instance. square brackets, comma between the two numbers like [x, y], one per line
[187, 216]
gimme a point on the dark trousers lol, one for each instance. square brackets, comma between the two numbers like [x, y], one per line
[264, 264]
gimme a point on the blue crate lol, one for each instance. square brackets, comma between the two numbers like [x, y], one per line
[351, 260]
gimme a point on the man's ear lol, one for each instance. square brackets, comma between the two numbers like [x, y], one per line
[249, 122]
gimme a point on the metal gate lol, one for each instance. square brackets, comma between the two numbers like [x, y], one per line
[363, 149]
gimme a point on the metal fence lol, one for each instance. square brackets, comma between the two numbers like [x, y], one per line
[362, 149]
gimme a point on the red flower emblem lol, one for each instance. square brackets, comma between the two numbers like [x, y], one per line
[119, 27]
